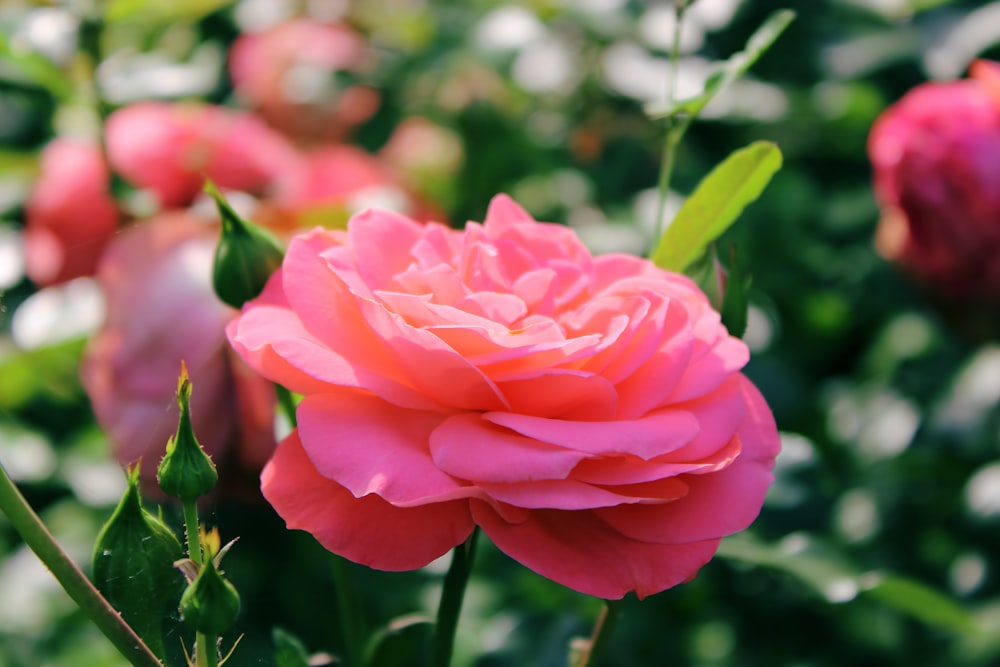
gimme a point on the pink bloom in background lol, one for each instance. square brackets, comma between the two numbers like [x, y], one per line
[332, 182]
[588, 413]
[936, 159]
[172, 148]
[160, 310]
[70, 213]
[288, 73]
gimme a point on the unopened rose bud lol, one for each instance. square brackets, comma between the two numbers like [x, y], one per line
[133, 566]
[186, 471]
[245, 258]
[210, 603]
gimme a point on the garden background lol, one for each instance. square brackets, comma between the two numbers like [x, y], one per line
[879, 542]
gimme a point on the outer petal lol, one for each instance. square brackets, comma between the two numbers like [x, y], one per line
[370, 446]
[718, 503]
[580, 551]
[365, 530]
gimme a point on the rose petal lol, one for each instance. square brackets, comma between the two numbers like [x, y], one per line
[372, 447]
[578, 550]
[404, 538]
[469, 447]
[719, 504]
[562, 394]
[271, 338]
[646, 438]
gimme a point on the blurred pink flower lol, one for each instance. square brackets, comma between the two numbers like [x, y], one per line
[418, 146]
[172, 148]
[288, 73]
[588, 413]
[70, 213]
[161, 309]
[936, 159]
[332, 182]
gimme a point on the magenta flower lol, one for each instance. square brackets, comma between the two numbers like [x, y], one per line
[161, 309]
[588, 413]
[70, 214]
[936, 159]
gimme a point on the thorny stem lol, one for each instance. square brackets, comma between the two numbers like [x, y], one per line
[191, 530]
[207, 650]
[80, 589]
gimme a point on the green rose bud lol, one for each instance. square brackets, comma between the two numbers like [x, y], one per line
[133, 567]
[246, 256]
[210, 603]
[186, 471]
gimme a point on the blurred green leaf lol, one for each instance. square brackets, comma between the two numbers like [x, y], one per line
[163, 11]
[289, 651]
[405, 642]
[826, 573]
[838, 581]
[716, 203]
[29, 374]
[919, 601]
[732, 68]
[32, 67]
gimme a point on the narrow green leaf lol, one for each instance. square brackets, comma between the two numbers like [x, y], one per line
[732, 68]
[716, 203]
[919, 601]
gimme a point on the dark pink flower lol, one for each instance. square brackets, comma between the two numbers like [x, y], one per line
[156, 277]
[70, 213]
[172, 148]
[588, 413]
[936, 159]
[290, 72]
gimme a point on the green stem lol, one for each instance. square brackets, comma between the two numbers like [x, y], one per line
[450, 607]
[191, 530]
[674, 130]
[602, 630]
[347, 611]
[206, 650]
[74, 582]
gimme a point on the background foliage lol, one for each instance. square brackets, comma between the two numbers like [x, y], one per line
[878, 544]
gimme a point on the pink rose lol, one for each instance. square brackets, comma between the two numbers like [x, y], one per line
[289, 73]
[70, 214]
[587, 412]
[172, 148]
[936, 159]
[161, 309]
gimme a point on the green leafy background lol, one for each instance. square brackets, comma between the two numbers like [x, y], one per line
[880, 540]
